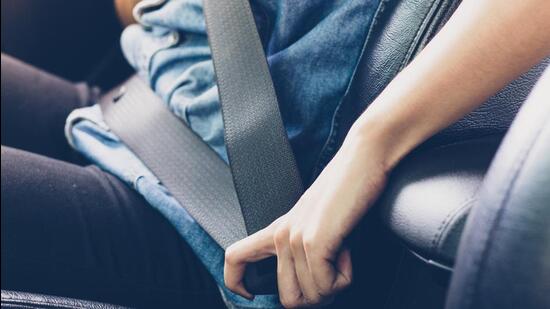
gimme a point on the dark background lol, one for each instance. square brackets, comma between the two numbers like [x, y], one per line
[78, 40]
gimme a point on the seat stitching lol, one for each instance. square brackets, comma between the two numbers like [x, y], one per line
[416, 39]
[436, 240]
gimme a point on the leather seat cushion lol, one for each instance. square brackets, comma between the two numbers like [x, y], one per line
[11, 299]
[430, 194]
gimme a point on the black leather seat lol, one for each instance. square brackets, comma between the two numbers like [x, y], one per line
[504, 254]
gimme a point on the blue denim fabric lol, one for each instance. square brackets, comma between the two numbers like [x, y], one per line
[312, 48]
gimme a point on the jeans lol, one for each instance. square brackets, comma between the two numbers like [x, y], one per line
[312, 48]
[71, 229]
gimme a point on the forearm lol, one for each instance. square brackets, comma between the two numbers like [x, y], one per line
[485, 45]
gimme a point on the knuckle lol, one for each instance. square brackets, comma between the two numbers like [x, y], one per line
[325, 288]
[281, 235]
[309, 243]
[314, 299]
[290, 302]
[296, 240]
[290, 299]
[231, 256]
[230, 285]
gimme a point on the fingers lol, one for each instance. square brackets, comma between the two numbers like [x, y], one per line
[297, 279]
[307, 284]
[289, 289]
[330, 276]
[344, 269]
[256, 247]
[307, 273]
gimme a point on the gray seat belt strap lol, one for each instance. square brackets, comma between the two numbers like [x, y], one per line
[264, 170]
[193, 173]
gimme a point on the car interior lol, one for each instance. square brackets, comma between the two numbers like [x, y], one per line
[464, 218]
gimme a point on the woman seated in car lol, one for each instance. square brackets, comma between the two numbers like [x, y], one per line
[106, 229]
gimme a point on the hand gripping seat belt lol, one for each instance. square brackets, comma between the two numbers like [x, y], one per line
[262, 181]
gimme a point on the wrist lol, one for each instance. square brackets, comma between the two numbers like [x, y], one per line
[382, 141]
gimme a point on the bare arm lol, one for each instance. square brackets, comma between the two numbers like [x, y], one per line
[485, 45]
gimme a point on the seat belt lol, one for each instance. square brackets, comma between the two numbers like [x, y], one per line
[262, 162]
[262, 181]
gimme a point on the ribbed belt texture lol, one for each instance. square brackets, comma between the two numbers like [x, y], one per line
[193, 173]
[264, 169]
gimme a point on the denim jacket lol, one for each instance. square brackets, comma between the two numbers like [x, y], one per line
[312, 48]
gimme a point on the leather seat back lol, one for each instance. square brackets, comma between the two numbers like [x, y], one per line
[504, 254]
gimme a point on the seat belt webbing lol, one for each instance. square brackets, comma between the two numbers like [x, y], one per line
[264, 170]
[192, 172]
